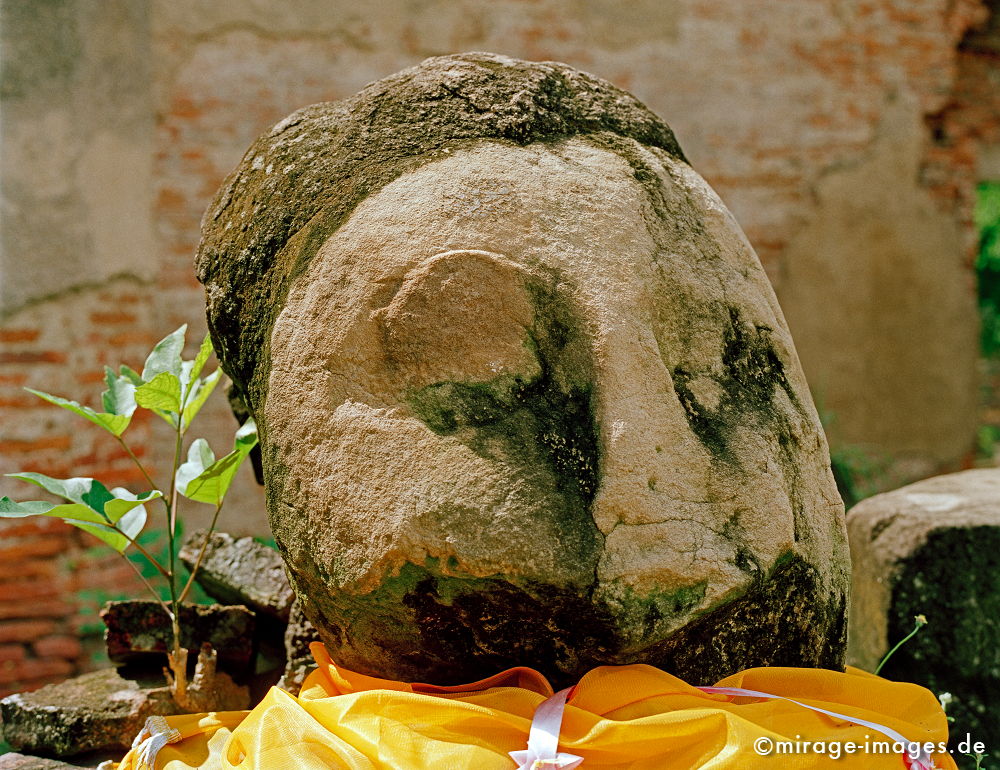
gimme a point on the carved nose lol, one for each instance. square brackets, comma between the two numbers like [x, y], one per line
[652, 466]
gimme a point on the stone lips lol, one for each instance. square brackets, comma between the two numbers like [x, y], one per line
[527, 401]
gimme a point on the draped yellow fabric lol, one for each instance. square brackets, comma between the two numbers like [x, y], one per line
[629, 717]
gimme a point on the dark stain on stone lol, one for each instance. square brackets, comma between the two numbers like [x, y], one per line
[752, 375]
[545, 422]
[882, 526]
[752, 371]
[954, 580]
[784, 619]
[746, 560]
[448, 630]
[478, 634]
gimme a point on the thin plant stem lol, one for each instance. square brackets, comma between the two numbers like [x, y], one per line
[138, 464]
[172, 526]
[144, 552]
[172, 520]
[921, 621]
[201, 553]
[152, 590]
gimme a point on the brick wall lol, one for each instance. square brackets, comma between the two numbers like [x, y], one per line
[49, 569]
[794, 112]
[44, 565]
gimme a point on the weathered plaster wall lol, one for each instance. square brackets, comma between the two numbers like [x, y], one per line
[810, 119]
[845, 135]
[77, 128]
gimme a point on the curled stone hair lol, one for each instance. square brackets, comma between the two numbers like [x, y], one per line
[300, 181]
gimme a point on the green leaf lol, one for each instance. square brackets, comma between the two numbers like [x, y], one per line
[115, 424]
[199, 394]
[119, 398]
[120, 518]
[128, 512]
[202, 358]
[124, 502]
[89, 492]
[133, 522]
[166, 356]
[72, 512]
[210, 486]
[13, 510]
[246, 437]
[77, 514]
[162, 394]
[199, 457]
[130, 374]
[108, 535]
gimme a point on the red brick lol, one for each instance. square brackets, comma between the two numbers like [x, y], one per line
[25, 446]
[25, 630]
[28, 589]
[67, 647]
[169, 200]
[112, 317]
[21, 402]
[40, 546]
[38, 608]
[11, 652]
[29, 685]
[33, 357]
[19, 335]
[34, 568]
[183, 107]
[127, 338]
[131, 475]
[90, 378]
[29, 669]
[37, 525]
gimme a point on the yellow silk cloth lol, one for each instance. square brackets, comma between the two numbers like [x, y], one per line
[626, 717]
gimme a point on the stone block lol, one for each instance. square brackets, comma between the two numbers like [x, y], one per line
[139, 632]
[299, 634]
[99, 711]
[933, 549]
[241, 571]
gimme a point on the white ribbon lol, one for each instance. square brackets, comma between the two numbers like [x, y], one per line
[543, 738]
[154, 735]
[922, 762]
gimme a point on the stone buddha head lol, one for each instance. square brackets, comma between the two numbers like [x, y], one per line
[525, 394]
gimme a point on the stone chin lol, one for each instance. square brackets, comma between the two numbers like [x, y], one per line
[537, 405]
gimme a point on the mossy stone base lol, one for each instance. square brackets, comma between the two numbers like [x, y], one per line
[434, 628]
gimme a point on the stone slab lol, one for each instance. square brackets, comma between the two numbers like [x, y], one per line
[16, 761]
[139, 632]
[933, 549]
[240, 571]
[99, 711]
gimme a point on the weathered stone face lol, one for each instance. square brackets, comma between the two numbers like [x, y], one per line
[534, 403]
